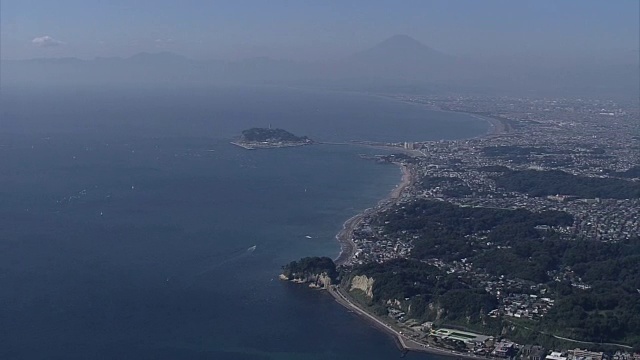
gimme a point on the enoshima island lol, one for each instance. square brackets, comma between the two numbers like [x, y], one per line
[268, 138]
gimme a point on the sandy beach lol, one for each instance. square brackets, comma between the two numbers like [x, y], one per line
[345, 236]
[348, 247]
[497, 125]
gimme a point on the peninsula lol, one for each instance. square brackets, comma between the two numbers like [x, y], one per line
[268, 138]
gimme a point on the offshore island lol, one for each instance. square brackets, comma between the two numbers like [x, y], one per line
[523, 243]
[268, 138]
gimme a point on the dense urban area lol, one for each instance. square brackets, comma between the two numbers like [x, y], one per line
[522, 243]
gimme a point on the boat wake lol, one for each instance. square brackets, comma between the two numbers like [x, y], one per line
[208, 264]
[234, 256]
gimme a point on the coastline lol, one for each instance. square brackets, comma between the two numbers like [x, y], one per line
[403, 342]
[348, 247]
[254, 146]
[497, 125]
[345, 236]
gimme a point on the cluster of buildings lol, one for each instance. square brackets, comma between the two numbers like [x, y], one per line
[483, 346]
[528, 306]
[587, 138]
[604, 219]
[568, 135]
[374, 246]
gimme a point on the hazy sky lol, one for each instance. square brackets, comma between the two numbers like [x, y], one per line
[321, 29]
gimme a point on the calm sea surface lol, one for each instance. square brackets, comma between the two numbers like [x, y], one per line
[128, 223]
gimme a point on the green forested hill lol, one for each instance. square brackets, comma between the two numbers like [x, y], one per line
[270, 135]
[509, 244]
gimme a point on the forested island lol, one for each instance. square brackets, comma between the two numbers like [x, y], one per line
[316, 271]
[261, 138]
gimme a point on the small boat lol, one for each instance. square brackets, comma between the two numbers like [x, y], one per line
[253, 248]
[308, 237]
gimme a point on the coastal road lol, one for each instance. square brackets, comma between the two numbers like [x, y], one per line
[342, 299]
[406, 342]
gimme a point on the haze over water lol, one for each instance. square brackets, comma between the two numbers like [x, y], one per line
[128, 231]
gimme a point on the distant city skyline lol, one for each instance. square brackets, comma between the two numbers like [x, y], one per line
[557, 31]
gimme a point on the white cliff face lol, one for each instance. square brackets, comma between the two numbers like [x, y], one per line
[439, 310]
[321, 281]
[364, 283]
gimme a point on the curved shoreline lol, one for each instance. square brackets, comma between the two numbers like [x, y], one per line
[497, 125]
[348, 249]
[345, 236]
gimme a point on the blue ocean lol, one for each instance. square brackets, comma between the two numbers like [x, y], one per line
[131, 229]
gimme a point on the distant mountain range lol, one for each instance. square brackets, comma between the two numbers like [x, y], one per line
[399, 63]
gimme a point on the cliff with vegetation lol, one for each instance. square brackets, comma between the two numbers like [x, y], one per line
[423, 292]
[364, 284]
[316, 271]
[595, 285]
